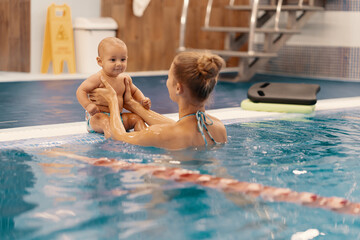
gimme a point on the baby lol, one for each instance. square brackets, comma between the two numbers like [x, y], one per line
[112, 57]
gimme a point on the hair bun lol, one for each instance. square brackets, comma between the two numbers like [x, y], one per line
[209, 65]
[198, 71]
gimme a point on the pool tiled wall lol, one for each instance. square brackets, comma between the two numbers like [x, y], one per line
[328, 47]
[342, 5]
[321, 62]
[51, 142]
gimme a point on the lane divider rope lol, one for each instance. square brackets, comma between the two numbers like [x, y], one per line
[267, 193]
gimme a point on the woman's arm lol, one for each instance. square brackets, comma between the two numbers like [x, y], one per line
[138, 95]
[160, 135]
[109, 95]
[149, 116]
[135, 92]
[116, 125]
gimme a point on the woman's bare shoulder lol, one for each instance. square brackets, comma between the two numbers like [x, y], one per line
[168, 131]
[219, 130]
[216, 121]
[169, 136]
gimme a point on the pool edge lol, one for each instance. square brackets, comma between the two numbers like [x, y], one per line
[228, 115]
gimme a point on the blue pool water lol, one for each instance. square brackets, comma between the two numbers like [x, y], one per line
[61, 198]
[52, 102]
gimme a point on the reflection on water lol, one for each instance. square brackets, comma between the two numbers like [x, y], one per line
[16, 178]
[77, 200]
[133, 205]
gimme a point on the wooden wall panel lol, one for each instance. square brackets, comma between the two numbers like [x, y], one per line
[153, 39]
[15, 35]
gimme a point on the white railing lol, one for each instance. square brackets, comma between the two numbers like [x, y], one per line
[278, 13]
[253, 20]
[183, 25]
[208, 13]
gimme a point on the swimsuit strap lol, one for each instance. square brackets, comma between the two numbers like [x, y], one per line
[202, 121]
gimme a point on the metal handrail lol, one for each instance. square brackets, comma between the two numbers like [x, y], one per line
[253, 20]
[183, 20]
[278, 13]
[208, 13]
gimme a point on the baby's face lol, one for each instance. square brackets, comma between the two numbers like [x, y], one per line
[114, 59]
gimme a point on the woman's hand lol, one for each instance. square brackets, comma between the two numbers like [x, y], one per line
[101, 96]
[146, 103]
[92, 109]
[128, 98]
[97, 99]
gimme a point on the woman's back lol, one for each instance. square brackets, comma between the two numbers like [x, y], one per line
[196, 133]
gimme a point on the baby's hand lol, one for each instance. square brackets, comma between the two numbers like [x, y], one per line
[92, 109]
[146, 102]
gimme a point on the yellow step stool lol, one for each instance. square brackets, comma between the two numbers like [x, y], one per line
[58, 40]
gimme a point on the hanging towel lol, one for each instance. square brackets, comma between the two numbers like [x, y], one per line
[139, 7]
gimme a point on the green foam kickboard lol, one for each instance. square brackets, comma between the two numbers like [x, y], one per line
[247, 104]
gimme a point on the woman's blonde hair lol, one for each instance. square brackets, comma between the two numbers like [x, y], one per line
[199, 71]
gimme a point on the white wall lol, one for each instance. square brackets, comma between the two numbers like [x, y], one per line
[326, 29]
[330, 29]
[327, 47]
[79, 8]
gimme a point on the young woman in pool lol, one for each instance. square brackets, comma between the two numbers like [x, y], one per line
[192, 77]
